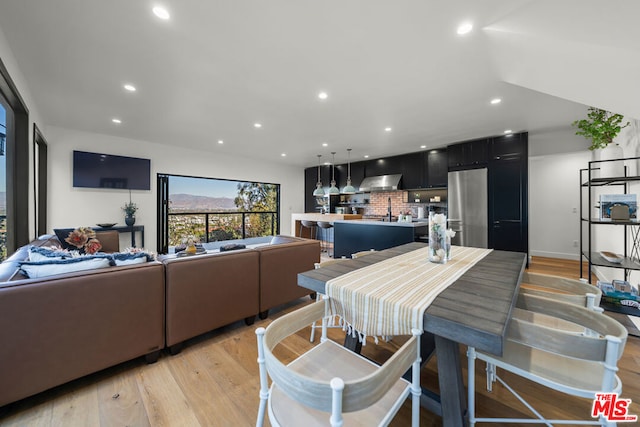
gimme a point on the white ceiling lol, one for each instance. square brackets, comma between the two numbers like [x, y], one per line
[217, 67]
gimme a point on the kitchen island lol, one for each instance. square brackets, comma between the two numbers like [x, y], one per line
[363, 235]
[297, 217]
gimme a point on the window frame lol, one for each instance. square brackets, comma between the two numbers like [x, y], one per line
[17, 151]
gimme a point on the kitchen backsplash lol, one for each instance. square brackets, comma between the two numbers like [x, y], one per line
[379, 201]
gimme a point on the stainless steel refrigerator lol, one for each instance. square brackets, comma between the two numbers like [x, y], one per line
[468, 208]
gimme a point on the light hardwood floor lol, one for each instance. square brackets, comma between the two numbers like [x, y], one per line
[214, 382]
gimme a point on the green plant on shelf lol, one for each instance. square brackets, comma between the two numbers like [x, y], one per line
[600, 127]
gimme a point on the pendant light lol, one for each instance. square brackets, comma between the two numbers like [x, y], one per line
[333, 189]
[349, 189]
[319, 191]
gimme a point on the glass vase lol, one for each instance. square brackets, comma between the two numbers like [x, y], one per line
[437, 238]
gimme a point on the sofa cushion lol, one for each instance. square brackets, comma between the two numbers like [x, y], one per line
[232, 247]
[54, 266]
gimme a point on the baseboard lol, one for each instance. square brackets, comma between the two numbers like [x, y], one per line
[573, 257]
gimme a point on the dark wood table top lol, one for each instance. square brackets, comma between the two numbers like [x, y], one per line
[474, 310]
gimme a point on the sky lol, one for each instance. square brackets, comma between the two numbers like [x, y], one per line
[203, 187]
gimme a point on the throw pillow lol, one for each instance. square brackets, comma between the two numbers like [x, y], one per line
[232, 247]
[82, 239]
[52, 267]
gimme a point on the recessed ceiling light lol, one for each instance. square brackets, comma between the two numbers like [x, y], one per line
[423, 146]
[366, 156]
[464, 28]
[257, 125]
[220, 141]
[161, 13]
[496, 101]
[324, 144]
[327, 163]
[387, 129]
[284, 154]
[130, 87]
[116, 121]
[323, 95]
[508, 131]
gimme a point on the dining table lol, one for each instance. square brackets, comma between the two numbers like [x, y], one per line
[473, 310]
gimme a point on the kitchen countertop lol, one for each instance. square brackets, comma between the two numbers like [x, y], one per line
[420, 223]
[297, 217]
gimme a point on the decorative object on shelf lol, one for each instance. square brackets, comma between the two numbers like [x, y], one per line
[319, 191]
[600, 126]
[349, 189]
[333, 189]
[106, 224]
[130, 212]
[618, 207]
[84, 238]
[450, 234]
[437, 238]
[612, 257]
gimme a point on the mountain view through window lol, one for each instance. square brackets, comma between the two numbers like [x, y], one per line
[212, 210]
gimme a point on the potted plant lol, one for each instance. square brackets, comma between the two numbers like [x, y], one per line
[130, 213]
[600, 126]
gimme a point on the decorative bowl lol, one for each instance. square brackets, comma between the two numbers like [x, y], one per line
[106, 224]
[611, 257]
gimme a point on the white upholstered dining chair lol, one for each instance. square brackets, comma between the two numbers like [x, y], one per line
[560, 358]
[330, 384]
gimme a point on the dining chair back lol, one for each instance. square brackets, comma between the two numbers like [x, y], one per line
[561, 289]
[573, 363]
[329, 383]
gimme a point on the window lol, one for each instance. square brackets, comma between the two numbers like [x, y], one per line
[15, 165]
[213, 210]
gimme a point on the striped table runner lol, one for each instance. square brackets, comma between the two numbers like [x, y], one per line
[389, 297]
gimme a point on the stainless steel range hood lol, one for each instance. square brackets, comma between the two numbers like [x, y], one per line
[380, 183]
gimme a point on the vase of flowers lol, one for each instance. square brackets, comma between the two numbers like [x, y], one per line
[437, 238]
[130, 213]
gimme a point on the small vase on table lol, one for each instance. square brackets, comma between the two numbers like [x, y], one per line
[437, 238]
[130, 220]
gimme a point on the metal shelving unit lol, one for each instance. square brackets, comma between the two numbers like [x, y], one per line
[589, 183]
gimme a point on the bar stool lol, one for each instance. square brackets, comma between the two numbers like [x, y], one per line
[326, 235]
[312, 226]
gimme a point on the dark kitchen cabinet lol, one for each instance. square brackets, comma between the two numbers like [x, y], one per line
[508, 195]
[436, 168]
[408, 165]
[411, 168]
[468, 155]
[310, 179]
[357, 174]
[508, 146]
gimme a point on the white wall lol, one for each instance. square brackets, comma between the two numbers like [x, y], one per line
[554, 204]
[71, 207]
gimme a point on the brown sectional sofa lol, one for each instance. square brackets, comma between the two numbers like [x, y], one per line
[59, 328]
[207, 291]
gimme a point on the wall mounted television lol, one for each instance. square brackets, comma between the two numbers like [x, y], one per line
[95, 170]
